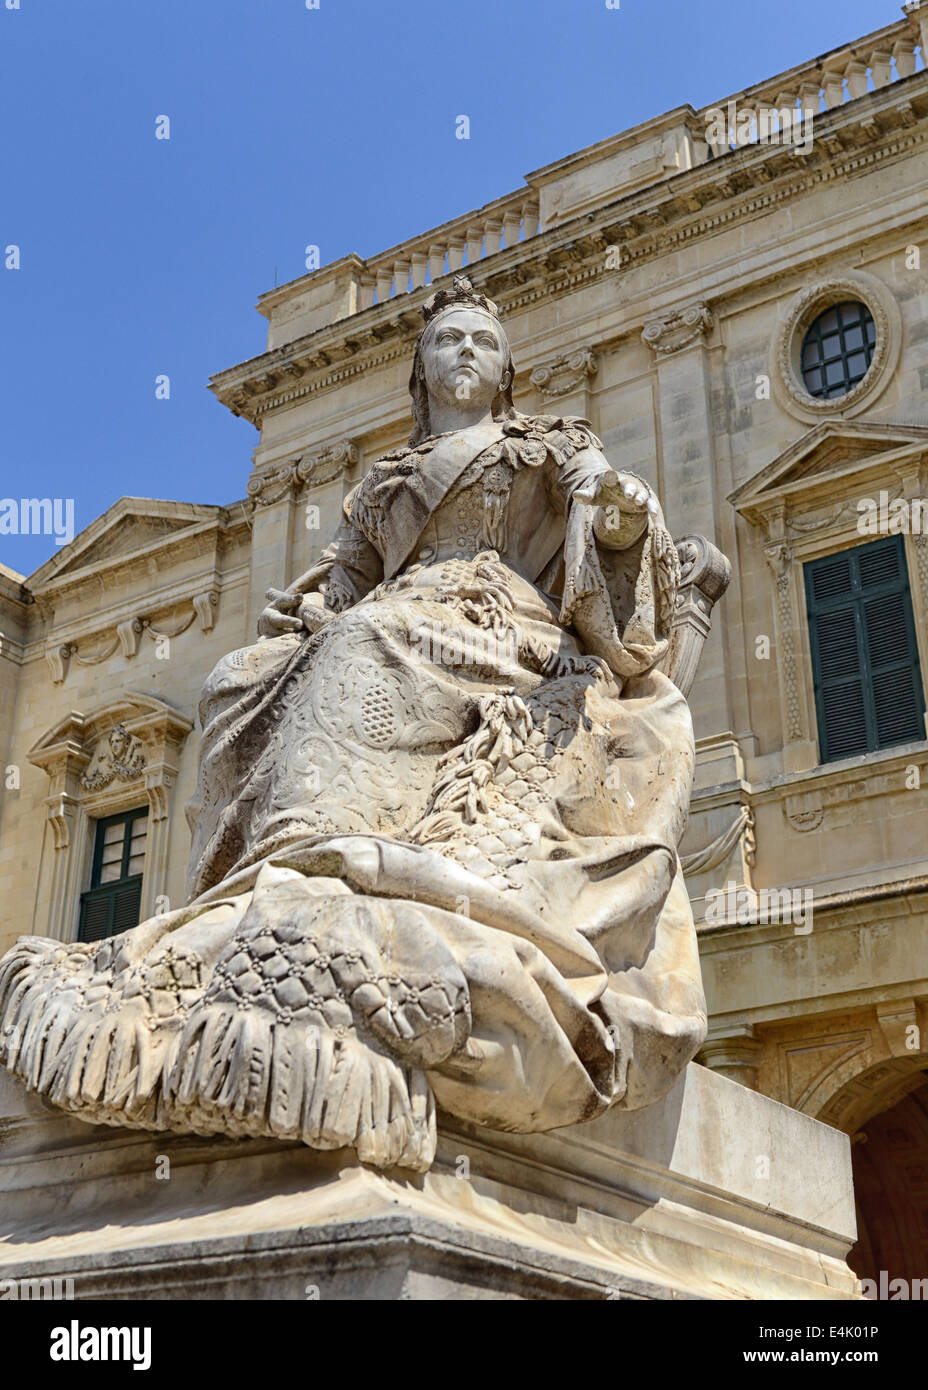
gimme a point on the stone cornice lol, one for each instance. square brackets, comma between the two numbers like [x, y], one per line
[177, 515]
[735, 187]
[899, 899]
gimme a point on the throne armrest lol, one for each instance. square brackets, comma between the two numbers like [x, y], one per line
[705, 575]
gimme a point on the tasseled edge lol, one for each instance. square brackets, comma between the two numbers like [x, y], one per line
[226, 1072]
[72, 1051]
[244, 1073]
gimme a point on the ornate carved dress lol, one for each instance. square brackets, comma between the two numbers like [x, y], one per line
[435, 839]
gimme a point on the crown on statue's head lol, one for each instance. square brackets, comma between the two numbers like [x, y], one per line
[462, 295]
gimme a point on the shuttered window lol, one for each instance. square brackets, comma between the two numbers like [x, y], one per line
[111, 904]
[868, 686]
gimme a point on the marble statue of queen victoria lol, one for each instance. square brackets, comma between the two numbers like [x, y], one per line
[435, 835]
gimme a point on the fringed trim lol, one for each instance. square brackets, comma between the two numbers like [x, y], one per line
[246, 1074]
[227, 1071]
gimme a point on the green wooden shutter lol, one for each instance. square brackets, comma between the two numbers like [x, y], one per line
[112, 906]
[868, 688]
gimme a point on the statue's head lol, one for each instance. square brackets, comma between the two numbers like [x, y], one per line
[462, 356]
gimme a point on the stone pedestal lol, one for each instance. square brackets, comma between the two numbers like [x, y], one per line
[715, 1192]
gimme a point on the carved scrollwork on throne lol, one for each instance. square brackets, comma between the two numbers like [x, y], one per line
[705, 574]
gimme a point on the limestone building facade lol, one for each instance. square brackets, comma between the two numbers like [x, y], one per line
[739, 305]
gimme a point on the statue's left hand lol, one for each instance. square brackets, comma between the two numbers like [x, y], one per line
[622, 490]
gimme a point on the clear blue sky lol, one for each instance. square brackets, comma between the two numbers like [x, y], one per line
[289, 127]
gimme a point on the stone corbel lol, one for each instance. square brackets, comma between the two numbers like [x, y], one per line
[159, 782]
[677, 329]
[205, 606]
[59, 658]
[129, 634]
[60, 811]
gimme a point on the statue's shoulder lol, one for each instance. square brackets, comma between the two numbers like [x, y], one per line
[371, 494]
[561, 435]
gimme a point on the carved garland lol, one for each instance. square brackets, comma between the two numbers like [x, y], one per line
[127, 637]
[305, 471]
[565, 373]
[678, 329]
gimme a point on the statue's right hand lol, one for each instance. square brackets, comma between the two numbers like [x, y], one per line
[280, 614]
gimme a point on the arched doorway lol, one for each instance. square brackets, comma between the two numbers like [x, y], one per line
[890, 1161]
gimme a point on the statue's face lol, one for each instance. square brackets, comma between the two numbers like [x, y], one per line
[465, 359]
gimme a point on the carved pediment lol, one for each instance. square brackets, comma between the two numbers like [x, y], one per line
[837, 458]
[132, 526]
[115, 738]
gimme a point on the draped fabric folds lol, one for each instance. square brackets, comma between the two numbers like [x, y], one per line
[434, 840]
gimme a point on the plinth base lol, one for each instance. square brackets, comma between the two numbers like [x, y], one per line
[715, 1192]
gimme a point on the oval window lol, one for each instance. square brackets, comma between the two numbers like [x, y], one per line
[838, 349]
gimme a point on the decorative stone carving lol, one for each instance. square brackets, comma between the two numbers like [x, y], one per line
[129, 634]
[306, 471]
[95, 658]
[780, 559]
[93, 762]
[804, 811]
[921, 561]
[705, 574]
[803, 309]
[119, 755]
[565, 373]
[205, 606]
[412, 792]
[58, 658]
[677, 329]
[741, 831]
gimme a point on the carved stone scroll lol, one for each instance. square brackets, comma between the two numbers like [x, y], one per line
[705, 575]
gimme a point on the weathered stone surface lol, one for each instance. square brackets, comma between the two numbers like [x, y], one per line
[381, 916]
[713, 1192]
